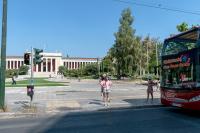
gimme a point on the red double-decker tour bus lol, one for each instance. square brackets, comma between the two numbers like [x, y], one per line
[180, 70]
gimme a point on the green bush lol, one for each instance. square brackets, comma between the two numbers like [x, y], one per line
[23, 70]
[147, 76]
[73, 73]
[62, 70]
[11, 73]
[90, 70]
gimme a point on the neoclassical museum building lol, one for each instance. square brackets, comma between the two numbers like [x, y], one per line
[50, 64]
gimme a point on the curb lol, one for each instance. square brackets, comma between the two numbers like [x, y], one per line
[17, 115]
[38, 87]
[82, 112]
[131, 107]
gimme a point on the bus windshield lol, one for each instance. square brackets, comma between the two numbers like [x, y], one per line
[177, 46]
[177, 78]
[178, 70]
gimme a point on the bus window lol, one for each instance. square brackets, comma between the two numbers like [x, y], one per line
[174, 47]
[178, 77]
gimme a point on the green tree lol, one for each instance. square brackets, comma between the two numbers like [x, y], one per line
[152, 54]
[123, 50]
[62, 70]
[106, 65]
[182, 27]
[73, 73]
[11, 72]
[134, 59]
[148, 57]
[90, 70]
[141, 56]
[23, 70]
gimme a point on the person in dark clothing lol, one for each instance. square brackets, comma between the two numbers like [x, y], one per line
[13, 81]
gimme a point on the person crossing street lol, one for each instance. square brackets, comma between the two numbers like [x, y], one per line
[106, 85]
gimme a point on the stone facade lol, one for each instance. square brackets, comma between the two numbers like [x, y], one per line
[50, 64]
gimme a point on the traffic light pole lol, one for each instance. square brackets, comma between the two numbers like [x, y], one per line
[3, 56]
[31, 65]
[35, 59]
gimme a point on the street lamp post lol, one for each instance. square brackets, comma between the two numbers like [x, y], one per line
[147, 58]
[98, 67]
[3, 55]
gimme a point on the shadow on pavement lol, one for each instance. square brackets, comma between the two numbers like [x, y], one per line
[84, 122]
[143, 101]
[98, 122]
[68, 108]
[23, 103]
[96, 102]
[185, 112]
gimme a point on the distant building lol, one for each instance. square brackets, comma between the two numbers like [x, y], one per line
[50, 64]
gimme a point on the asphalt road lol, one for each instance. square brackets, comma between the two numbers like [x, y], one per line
[149, 120]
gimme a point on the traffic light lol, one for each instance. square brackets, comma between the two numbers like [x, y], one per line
[27, 58]
[38, 56]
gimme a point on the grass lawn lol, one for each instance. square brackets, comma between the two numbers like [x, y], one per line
[37, 82]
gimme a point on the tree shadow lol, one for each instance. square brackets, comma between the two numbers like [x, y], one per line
[143, 101]
[66, 123]
[194, 114]
[98, 122]
[96, 102]
[68, 108]
[180, 112]
[79, 122]
[23, 103]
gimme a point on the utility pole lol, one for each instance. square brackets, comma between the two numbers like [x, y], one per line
[147, 57]
[3, 55]
[102, 67]
[140, 61]
[98, 67]
[157, 60]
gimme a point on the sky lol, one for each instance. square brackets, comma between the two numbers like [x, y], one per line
[85, 28]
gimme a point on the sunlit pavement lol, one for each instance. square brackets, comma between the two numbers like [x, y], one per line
[78, 96]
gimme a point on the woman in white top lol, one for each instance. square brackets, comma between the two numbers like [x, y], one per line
[107, 91]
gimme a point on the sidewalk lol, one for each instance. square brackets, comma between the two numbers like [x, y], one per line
[79, 96]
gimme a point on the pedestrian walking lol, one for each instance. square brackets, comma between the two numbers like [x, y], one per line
[107, 91]
[79, 79]
[158, 85]
[150, 89]
[103, 86]
[13, 81]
